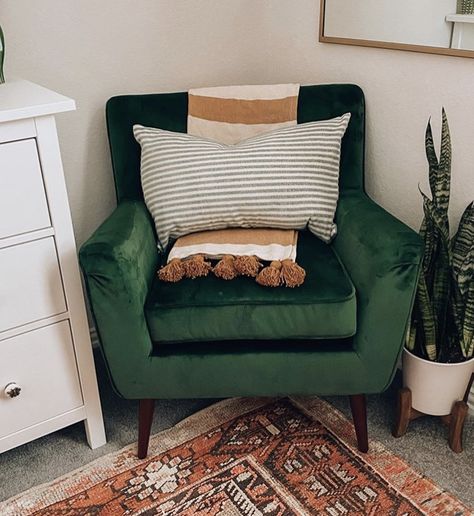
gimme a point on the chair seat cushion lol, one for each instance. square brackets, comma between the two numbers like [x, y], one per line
[212, 309]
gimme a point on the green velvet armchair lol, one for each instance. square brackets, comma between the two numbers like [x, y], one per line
[340, 333]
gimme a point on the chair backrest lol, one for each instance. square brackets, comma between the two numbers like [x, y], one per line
[169, 111]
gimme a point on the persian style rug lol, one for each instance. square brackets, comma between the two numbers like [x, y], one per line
[250, 457]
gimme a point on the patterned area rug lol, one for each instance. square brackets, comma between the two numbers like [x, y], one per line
[251, 457]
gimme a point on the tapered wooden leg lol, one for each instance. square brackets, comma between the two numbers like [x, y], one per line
[359, 415]
[145, 418]
[456, 425]
[403, 412]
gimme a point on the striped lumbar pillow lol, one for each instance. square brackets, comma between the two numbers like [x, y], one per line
[286, 179]
[230, 114]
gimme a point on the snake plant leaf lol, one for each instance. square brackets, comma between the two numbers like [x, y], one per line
[410, 339]
[468, 324]
[439, 170]
[431, 157]
[427, 318]
[438, 277]
[430, 237]
[443, 176]
[463, 250]
[423, 305]
[457, 312]
[440, 294]
[463, 279]
[428, 233]
[435, 216]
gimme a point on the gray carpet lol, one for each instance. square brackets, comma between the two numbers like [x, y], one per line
[424, 446]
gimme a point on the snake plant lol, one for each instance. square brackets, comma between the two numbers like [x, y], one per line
[442, 322]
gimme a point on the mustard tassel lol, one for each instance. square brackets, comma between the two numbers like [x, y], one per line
[172, 272]
[292, 275]
[196, 266]
[270, 276]
[247, 266]
[225, 269]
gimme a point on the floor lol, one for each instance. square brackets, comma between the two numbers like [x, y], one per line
[424, 446]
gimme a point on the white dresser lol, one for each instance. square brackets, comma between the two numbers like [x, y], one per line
[47, 374]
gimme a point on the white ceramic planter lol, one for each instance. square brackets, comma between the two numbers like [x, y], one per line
[435, 387]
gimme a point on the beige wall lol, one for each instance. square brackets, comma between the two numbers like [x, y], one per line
[91, 50]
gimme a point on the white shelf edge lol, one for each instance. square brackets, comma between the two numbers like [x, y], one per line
[460, 18]
[35, 111]
[21, 99]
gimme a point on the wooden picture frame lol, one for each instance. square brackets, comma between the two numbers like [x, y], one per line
[387, 45]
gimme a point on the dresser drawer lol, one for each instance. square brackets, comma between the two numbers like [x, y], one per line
[22, 196]
[42, 363]
[30, 283]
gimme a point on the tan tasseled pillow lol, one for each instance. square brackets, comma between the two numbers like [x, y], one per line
[265, 244]
[240, 252]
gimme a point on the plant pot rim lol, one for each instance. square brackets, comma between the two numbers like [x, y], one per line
[440, 364]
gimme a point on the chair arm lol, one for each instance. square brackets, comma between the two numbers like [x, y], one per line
[119, 262]
[382, 256]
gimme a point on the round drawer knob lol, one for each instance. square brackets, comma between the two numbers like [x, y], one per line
[12, 390]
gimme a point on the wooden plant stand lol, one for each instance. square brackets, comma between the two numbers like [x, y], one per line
[454, 421]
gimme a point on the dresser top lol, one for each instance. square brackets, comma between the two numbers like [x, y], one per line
[23, 99]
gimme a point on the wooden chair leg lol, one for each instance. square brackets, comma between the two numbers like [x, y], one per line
[145, 419]
[359, 415]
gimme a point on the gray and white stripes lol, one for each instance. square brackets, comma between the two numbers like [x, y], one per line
[285, 179]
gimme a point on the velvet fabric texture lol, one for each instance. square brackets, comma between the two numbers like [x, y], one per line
[380, 254]
[169, 111]
[323, 307]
